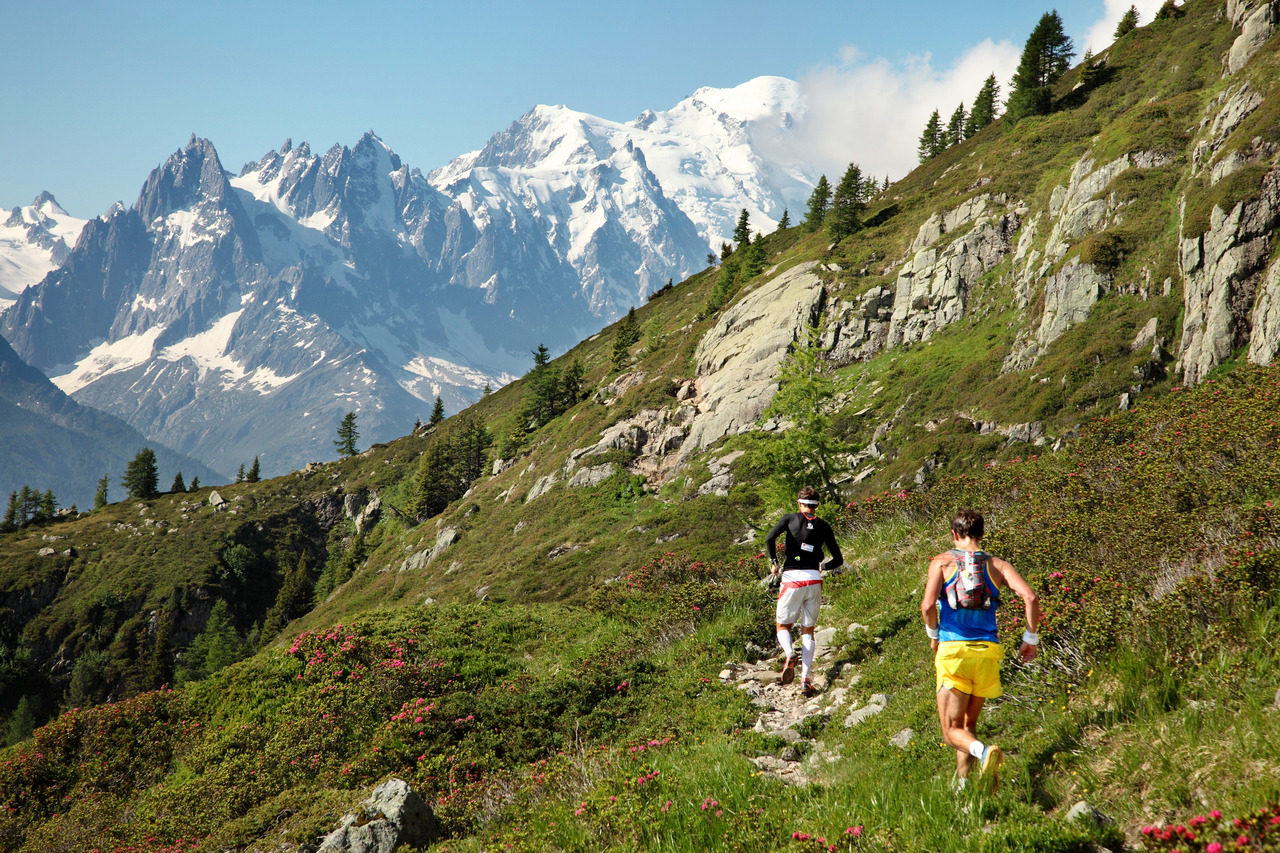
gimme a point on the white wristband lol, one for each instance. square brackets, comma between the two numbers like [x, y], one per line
[931, 633]
[1031, 638]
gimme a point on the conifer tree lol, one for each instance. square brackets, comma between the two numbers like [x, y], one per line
[1169, 11]
[10, 521]
[1044, 59]
[984, 108]
[100, 496]
[48, 506]
[195, 484]
[627, 335]
[141, 480]
[22, 723]
[931, 139]
[432, 483]
[1128, 23]
[954, 134]
[240, 473]
[179, 485]
[819, 202]
[785, 222]
[347, 436]
[486, 390]
[292, 600]
[437, 412]
[756, 259]
[571, 384]
[846, 204]
[742, 233]
[255, 472]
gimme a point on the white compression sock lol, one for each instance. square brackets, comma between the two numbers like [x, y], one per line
[784, 640]
[806, 653]
[976, 749]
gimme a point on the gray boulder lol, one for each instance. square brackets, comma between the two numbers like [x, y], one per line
[392, 816]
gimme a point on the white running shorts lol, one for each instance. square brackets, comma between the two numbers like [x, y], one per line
[798, 602]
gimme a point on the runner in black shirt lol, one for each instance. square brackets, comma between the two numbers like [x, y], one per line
[800, 594]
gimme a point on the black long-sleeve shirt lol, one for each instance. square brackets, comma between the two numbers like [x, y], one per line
[805, 539]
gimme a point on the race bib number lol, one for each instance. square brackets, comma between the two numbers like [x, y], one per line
[805, 546]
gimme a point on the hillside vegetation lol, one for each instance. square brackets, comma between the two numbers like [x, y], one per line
[539, 614]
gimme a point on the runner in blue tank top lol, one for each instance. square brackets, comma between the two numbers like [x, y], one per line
[959, 607]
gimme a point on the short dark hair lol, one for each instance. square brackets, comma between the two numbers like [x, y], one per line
[807, 493]
[967, 524]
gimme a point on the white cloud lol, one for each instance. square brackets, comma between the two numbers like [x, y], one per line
[871, 112]
[1102, 34]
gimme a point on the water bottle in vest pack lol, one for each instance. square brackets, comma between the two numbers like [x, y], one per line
[968, 589]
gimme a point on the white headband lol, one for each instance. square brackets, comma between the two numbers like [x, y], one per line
[808, 502]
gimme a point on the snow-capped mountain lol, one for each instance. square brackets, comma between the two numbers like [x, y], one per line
[33, 240]
[233, 316]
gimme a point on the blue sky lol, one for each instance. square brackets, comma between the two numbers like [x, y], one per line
[97, 93]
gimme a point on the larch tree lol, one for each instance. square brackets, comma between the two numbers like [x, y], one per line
[141, 480]
[846, 204]
[984, 108]
[931, 139]
[819, 202]
[347, 436]
[1045, 58]
[954, 134]
[1128, 23]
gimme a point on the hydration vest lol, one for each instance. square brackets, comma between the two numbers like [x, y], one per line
[969, 588]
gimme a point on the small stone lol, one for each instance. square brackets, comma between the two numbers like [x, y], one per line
[726, 674]
[902, 739]
[791, 754]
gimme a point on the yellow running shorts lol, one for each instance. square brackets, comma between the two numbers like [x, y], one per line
[972, 668]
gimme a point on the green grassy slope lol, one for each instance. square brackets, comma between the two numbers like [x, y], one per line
[550, 682]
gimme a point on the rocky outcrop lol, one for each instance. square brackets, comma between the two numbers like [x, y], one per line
[1234, 105]
[1257, 21]
[393, 816]
[738, 358]
[1069, 294]
[933, 287]
[1222, 270]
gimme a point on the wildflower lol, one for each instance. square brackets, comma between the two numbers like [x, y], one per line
[1214, 847]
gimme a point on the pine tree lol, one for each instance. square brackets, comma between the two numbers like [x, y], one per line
[1128, 23]
[292, 600]
[486, 390]
[48, 506]
[954, 134]
[1045, 58]
[846, 204]
[26, 506]
[240, 474]
[984, 108]
[141, 480]
[195, 484]
[179, 485]
[571, 384]
[1169, 11]
[100, 496]
[1088, 71]
[347, 436]
[742, 233]
[437, 412]
[255, 472]
[627, 335]
[785, 222]
[432, 482]
[819, 202]
[10, 521]
[930, 139]
[22, 723]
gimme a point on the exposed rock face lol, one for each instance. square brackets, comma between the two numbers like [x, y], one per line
[394, 815]
[933, 287]
[1222, 270]
[738, 369]
[1257, 20]
[1069, 294]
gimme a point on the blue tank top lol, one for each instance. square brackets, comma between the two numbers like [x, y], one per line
[968, 625]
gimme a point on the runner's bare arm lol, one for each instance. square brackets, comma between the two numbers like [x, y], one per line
[1007, 576]
[929, 603]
